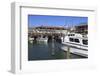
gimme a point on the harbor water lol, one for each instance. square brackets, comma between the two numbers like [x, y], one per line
[38, 50]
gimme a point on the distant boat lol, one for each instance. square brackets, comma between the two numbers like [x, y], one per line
[42, 39]
[78, 44]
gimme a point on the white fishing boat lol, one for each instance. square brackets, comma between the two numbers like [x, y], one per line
[42, 39]
[78, 44]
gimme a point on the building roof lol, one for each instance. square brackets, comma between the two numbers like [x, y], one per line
[51, 27]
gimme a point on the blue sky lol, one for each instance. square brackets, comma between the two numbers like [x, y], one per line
[48, 20]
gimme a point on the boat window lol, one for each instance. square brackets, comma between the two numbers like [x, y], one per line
[68, 34]
[71, 39]
[85, 42]
[77, 40]
[44, 36]
[71, 35]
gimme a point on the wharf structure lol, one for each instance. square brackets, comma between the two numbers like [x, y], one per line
[47, 31]
[56, 31]
[81, 28]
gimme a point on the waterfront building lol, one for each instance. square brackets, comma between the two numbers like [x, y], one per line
[81, 28]
[47, 30]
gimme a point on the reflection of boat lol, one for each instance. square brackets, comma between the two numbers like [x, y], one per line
[77, 42]
[42, 39]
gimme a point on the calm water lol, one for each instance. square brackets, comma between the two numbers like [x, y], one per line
[47, 51]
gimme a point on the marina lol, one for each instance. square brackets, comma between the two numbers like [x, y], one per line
[51, 42]
[57, 46]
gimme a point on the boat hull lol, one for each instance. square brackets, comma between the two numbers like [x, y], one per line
[75, 49]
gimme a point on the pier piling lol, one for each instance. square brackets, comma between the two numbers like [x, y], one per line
[68, 53]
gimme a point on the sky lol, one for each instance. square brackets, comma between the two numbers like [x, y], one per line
[48, 20]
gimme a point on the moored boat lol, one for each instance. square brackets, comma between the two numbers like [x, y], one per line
[42, 39]
[78, 44]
